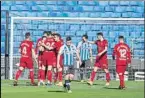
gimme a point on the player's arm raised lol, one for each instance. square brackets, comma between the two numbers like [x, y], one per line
[91, 42]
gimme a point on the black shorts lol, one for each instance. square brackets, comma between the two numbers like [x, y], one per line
[69, 69]
[85, 63]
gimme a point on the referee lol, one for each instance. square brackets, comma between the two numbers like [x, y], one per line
[69, 51]
[85, 50]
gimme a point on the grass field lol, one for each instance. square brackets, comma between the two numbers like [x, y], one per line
[79, 90]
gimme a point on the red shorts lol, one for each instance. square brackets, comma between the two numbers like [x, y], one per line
[49, 58]
[26, 62]
[40, 60]
[120, 68]
[101, 63]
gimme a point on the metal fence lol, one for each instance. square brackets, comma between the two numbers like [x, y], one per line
[136, 72]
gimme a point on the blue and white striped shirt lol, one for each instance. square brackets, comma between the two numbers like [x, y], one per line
[69, 52]
[84, 48]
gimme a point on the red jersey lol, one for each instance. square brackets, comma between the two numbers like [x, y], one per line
[51, 43]
[38, 45]
[122, 53]
[101, 46]
[26, 48]
[58, 45]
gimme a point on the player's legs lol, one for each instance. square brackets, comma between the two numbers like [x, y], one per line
[93, 74]
[49, 74]
[42, 79]
[29, 65]
[60, 76]
[82, 71]
[40, 67]
[55, 74]
[19, 72]
[121, 71]
[69, 76]
[107, 77]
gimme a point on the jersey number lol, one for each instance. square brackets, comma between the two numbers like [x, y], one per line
[50, 45]
[24, 50]
[122, 53]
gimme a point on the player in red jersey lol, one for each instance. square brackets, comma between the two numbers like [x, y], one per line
[39, 51]
[101, 59]
[26, 61]
[59, 43]
[122, 54]
[48, 57]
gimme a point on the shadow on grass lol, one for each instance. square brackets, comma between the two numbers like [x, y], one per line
[111, 88]
[57, 91]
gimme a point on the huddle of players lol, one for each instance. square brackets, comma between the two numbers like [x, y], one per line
[48, 47]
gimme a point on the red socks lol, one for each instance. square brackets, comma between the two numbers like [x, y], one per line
[19, 72]
[32, 76]
[39, 74]
[93, 74]
[49, 75]
[121, 77]
[108, 77]
[60, 76]
[55, 77]
[43, 75]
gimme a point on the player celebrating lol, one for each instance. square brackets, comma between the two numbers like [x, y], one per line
[39, 51]
[85, 50]
[48, 57]
[59, 43]
[26, 61]
[68, 50]
[123, 58]
[101, 59]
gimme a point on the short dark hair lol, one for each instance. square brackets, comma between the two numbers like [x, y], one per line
[49, 33]
[44, 37]
[121, 37]
[56, 34]
[27, 34]
[100, 33]
[86, 36]
[45, 32]
[68, 38]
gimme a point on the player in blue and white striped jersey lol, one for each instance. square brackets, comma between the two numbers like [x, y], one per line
[69, 51]
[85, 50]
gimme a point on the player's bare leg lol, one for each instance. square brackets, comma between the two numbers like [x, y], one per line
[18, 74]
[55, 74]
[67, 84]
[49, 75]
[60, 77]
[92, 77]
[42, 75]
[107, 77]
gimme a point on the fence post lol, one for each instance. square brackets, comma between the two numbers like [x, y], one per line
[7, 46]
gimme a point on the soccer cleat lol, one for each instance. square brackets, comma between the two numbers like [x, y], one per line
[15, 83]
[34, 84]
[82, 81]
[48, 84]
[69, 91]
[122, 88]
[107, 84]
[90, 82]
[59, 84]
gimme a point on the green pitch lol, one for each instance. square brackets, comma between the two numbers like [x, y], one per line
[79, 90]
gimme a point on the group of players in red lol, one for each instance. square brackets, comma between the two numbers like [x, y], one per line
[45, 55]
[46, 51]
